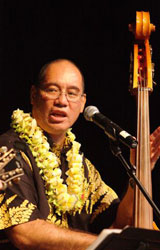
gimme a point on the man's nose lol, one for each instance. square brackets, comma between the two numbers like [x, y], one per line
[62, 98]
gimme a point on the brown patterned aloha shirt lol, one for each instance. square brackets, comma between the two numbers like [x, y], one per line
[26, 200]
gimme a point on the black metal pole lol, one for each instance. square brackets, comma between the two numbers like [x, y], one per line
[131, 172]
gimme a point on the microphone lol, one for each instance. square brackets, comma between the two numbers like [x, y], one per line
[111, 129]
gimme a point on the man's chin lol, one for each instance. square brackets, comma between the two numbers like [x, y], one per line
[58, 128]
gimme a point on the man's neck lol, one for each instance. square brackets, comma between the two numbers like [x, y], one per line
[58, 139]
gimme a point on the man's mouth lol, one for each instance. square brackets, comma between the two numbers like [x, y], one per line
[57, 116]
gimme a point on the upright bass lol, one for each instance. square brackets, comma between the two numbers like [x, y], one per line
[141, 86]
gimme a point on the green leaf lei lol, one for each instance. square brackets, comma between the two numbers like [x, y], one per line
[65, 198]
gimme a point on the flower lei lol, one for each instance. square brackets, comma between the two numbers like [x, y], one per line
[64, 197]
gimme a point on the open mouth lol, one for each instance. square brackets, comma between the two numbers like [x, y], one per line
[57, 116]
[58, 113]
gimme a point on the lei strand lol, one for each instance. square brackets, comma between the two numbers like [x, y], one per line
[64, 197]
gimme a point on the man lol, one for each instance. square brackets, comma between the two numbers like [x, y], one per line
[1, 186]
[61, 191]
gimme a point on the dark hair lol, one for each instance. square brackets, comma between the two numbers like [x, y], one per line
[42, 73]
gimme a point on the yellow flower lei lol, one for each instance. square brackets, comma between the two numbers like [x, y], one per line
[64, 197]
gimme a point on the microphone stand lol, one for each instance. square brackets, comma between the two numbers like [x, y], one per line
[116, 151]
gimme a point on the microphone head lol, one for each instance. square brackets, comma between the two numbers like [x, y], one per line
[89, 112]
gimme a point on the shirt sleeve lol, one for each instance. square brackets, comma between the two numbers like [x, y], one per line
[19, 203]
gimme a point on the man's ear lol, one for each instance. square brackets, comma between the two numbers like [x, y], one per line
[32, 94]
[83, 102]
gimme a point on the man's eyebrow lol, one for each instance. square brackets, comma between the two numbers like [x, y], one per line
[48, 84]
[45, 85]
[74, 87]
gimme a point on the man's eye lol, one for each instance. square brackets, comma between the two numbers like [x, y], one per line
[72, 93]
[51, 90]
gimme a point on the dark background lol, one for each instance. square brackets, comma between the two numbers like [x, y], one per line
[95, 35]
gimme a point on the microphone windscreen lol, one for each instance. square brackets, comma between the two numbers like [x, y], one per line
[89, 112]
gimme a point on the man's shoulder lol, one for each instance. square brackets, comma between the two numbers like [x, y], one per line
[8, 138]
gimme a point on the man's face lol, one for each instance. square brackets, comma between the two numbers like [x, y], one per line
[55, 116]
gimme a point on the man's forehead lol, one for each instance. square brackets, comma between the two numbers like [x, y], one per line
[63, 67]
[60, 85]
[58, 74]
[63, 71]
[63, 77]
